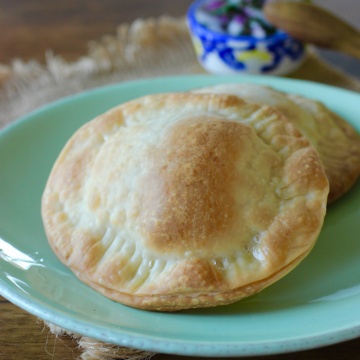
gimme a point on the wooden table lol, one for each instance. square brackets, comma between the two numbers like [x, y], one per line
[31, 27]
[28, 29]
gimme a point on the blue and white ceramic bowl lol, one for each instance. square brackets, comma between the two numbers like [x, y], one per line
[221, 53]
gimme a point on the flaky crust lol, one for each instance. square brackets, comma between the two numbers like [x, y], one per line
[336, 141]
[176, 201]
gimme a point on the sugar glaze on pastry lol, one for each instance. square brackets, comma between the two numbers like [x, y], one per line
[176, 201]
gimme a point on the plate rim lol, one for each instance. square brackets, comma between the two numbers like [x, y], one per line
[153, 343]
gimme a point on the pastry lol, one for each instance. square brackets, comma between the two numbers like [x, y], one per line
[177, 201]
[336, 141]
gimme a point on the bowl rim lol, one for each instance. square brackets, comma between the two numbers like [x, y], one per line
[194, 25]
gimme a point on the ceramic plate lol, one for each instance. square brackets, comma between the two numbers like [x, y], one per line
[315, 305]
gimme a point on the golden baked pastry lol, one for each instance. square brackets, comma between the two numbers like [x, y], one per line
[336, 141]
[176, 201]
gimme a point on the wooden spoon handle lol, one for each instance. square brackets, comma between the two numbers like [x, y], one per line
[351, 47]
[313, 24]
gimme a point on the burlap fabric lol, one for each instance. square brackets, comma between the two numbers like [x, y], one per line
[143, 49]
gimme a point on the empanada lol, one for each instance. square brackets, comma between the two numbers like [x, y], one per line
[336, 141]
[176, 201]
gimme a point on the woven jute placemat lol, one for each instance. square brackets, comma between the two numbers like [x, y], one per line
[143, 49]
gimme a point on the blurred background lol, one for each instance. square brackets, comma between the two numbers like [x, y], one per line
[31, 27]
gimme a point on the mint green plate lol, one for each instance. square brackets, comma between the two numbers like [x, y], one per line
[316, 304]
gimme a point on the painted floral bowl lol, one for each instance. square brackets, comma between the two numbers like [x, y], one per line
[221, 52]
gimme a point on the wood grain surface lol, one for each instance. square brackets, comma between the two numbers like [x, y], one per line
[30, 28]
[23, 336]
